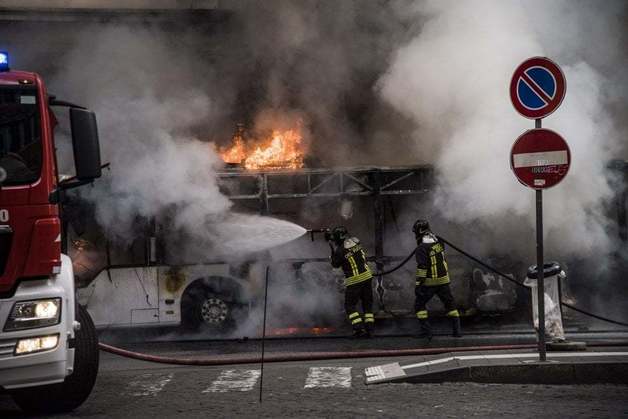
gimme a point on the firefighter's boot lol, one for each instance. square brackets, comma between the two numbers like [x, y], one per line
[425, 330]
[357, 324]
[455, 327]
[359, 332]
[369, 323]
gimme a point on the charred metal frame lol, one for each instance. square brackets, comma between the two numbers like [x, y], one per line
[619, 182]
[328, 183]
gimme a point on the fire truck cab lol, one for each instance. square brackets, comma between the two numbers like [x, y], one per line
[48, 345]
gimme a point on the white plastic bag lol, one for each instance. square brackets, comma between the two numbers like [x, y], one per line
[553, 319]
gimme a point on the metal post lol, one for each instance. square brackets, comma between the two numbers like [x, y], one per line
[540, 272]
[263, 194]
[622, 218]
[540, 267]
[379, 220]
[379, 233]
[261, 379]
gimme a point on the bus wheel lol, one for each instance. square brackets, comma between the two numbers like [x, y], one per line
[214, 311]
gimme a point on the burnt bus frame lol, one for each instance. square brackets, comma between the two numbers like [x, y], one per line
[376, 182]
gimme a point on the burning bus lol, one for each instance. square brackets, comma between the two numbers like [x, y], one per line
[151, 281]
[154, 281]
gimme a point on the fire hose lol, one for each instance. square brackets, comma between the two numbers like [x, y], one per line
[570, 306]
[302, 356]
[311, 356]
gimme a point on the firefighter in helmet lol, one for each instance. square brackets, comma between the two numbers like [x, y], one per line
[432, 278]
[347, 253]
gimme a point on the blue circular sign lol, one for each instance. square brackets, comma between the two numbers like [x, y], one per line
[537, 87]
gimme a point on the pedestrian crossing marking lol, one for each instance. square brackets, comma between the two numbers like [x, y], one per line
[234, 380]
[148, 384]
[319, 377]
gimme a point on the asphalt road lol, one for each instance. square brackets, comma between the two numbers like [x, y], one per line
[127, 388]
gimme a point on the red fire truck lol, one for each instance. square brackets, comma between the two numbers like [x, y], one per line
[48, 346]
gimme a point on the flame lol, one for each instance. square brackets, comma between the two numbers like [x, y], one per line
[282, 150]
[289, 331]
[237, 152]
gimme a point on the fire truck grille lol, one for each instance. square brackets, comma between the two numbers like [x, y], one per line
[7, 347]
[6, 236]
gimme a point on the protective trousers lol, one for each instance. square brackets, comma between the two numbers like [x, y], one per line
[424, 294]
[362, 291]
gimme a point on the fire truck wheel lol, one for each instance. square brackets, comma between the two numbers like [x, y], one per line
[71, 393]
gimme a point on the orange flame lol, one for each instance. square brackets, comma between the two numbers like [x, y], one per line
[288, 331]
[283, 150]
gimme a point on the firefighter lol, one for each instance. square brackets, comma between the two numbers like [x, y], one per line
[432, 278]
[347, 253]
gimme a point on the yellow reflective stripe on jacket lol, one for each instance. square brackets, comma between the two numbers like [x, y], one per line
[430, 282]
[356, 320]
[421, 273]
[354, 266]
[453, 313]
[354, 315]
[421, 314]
[369, 318]
[359, 277]
[434, 272]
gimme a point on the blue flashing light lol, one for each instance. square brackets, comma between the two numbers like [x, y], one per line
[4, 61]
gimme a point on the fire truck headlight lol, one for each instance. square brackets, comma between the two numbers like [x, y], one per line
[37, 344]
[4, 61]
[32, 314]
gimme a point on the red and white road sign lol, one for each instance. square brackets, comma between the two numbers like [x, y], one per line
[540, 158]
[537, 87]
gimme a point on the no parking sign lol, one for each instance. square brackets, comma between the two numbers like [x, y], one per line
[537, 87]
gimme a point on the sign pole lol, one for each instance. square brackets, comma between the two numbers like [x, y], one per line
[540, 268]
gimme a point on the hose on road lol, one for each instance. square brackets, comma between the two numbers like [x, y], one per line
[318, 356]
[303, 356]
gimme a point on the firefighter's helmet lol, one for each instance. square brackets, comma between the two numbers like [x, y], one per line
[421, 227]
[339, 234]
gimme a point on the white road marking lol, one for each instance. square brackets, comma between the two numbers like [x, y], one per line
[148, 384]
[506, 356]
[543, 158]
[381, 372]
[234, 380]
[328, 377]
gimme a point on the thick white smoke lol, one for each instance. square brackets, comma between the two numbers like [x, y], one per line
[148, 94]
[453, 79]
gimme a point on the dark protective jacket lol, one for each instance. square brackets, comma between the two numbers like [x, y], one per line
[351, 258]
[431, 266]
